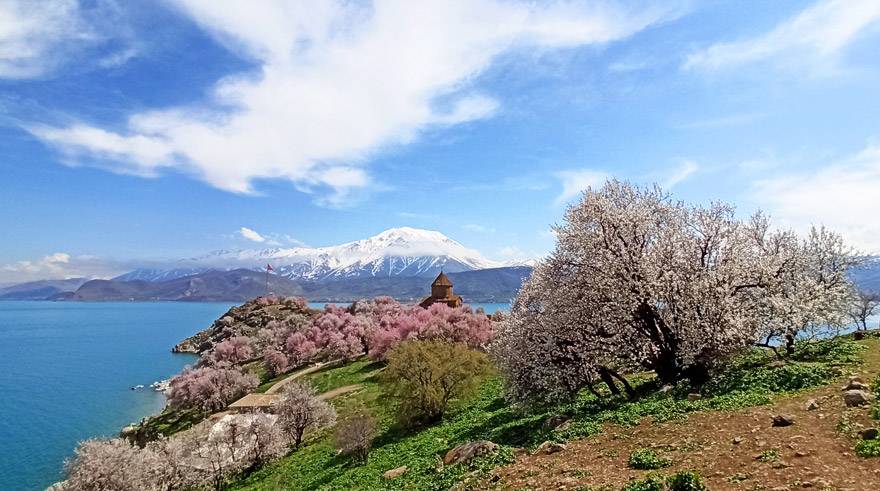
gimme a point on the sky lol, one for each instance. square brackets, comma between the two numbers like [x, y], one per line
[147, 131]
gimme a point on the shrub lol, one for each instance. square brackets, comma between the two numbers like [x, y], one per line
[354, 435]
[424, 376]
[647, 459]
[685, 481]
[300, 410]
[275, 363]
[868, 448]
[652, 482]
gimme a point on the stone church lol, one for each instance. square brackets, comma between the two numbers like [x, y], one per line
[441, 292]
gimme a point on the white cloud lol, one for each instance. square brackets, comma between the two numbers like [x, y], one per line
[60, 265]
[841, 195]
[682, 172]
[337, 82]
[39, 36]
[576, 181]
[251, 235]
[817, 33]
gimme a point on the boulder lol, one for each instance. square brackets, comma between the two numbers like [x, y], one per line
[783, 420]
[853, 398]
[467, 451]
[869, 434]
[856, 383]
[394, 473]
[554, 422]
[693, 396]
[549, 447]
[812, 405]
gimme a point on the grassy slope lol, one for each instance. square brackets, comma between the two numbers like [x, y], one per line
[752, 380]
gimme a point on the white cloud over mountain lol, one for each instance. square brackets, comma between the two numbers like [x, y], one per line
[334, 83]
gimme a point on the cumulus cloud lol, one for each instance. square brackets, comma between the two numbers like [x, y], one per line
[576, 181]
[39, 36]
[337, 82]
[841, 195]
[251, 235]
[819, 33]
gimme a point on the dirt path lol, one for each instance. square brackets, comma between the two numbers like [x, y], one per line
[724, 447]
[330, 394]
[314, 368]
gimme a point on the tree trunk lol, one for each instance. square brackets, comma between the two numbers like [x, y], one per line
[608, 380]
[629, 390]
[789, 344]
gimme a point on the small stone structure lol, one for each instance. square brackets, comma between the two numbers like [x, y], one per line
[441, 292]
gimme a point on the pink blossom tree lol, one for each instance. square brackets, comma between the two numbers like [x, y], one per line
[232, 351]
[209, 388]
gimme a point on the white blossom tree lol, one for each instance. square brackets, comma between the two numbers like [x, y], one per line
[300, 410]
[640, 281]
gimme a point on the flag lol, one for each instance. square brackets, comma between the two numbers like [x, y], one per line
[269, 268]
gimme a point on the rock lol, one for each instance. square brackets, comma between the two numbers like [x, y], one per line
[854, 398]
[856, 384]
[549, 447]
[666, 389]
[869, 434]
[782, 420]
[801, 453]
[806, 484]
[693, 396]
[737, 440]
[812, 405]
[467, 451]
[555, 421]
[394, 473]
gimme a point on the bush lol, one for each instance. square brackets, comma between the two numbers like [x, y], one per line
[651, 483]
[868, 448]
[647, 459]
[422, 377]
[354, 435]
[685, 481]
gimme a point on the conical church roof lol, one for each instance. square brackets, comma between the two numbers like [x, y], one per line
[441, 280]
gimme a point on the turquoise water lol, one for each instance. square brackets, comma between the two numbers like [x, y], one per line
[66, 369]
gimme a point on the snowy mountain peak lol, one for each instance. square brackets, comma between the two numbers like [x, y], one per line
[402, 251]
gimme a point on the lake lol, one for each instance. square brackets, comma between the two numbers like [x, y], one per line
[67, 368]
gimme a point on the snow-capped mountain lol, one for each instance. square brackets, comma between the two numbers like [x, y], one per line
[400, 251]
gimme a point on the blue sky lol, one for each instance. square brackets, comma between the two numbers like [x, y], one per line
[133, 131]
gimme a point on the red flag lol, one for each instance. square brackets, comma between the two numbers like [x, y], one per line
[269, 267]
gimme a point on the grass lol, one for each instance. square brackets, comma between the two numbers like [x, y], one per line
[356, 372]
[752, 380]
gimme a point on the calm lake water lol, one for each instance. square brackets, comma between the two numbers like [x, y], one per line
[66, 369]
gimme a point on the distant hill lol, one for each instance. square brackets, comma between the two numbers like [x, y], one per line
[40, 290]
[481, 285]
[236, 285]
[484, 285]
